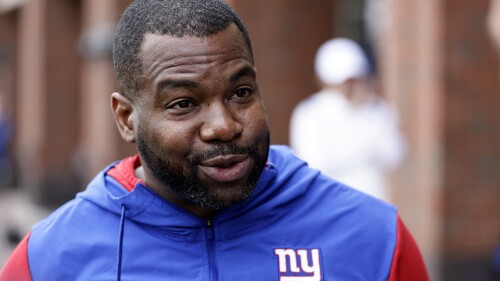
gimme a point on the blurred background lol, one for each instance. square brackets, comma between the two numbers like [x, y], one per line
[435, 61]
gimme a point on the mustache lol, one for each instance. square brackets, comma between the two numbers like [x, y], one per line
[219, 150]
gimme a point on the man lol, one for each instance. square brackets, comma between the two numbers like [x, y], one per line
[363, 141]
[205, 198]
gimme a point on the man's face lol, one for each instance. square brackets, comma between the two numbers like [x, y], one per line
[202, 128]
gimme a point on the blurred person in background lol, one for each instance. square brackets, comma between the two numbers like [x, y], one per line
[347, 130]
[5, 142]
[207, 197]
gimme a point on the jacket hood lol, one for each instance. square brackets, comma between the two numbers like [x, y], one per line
[146, 207]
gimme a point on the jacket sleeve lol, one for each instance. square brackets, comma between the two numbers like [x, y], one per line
[407, 262]
[17, 268]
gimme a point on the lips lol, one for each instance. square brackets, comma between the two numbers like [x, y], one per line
[226, 168]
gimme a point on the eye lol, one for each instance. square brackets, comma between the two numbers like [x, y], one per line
[242, 93]
[181, 104]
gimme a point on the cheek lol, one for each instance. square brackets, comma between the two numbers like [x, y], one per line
[173, 138]
[256, 122]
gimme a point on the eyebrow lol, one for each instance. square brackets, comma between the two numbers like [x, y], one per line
[245, 71]
[173, 84]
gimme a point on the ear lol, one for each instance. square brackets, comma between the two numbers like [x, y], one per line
[124, 113]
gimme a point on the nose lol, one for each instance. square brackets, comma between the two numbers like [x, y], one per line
[220, 125]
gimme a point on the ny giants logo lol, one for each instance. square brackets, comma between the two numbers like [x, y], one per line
[298, 265]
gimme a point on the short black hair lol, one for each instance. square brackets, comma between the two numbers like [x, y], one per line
[200, 18]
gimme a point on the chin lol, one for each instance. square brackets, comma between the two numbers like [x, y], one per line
[223, 197]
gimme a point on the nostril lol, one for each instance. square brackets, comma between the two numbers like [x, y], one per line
[220, 127]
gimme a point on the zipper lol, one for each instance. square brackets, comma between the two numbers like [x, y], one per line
[212, 258]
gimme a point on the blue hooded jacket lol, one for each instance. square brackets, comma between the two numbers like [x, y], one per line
[297, 225]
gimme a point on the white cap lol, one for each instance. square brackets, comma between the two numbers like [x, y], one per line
[340, 59]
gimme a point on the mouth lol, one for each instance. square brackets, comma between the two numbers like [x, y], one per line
[226, 168]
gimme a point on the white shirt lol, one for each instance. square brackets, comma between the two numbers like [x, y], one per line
[354, 144]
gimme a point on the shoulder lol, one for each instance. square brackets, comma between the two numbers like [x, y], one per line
[359, 211]
[326, 195]
[407, 262]
[16, 267]
[63, 223]
[69, 237]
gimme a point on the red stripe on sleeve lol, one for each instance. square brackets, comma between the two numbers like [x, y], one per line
[17, 268]
[407, 262]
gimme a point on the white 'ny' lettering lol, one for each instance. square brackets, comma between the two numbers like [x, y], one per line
[289, 268]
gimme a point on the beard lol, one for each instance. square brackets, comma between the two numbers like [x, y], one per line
[181, 177]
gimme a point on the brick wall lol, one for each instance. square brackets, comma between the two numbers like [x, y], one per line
[7, 57]
[65, 130]
[472, 208]
[439, 65]
[47, 98]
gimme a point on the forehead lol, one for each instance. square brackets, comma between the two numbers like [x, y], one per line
[160, 52]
